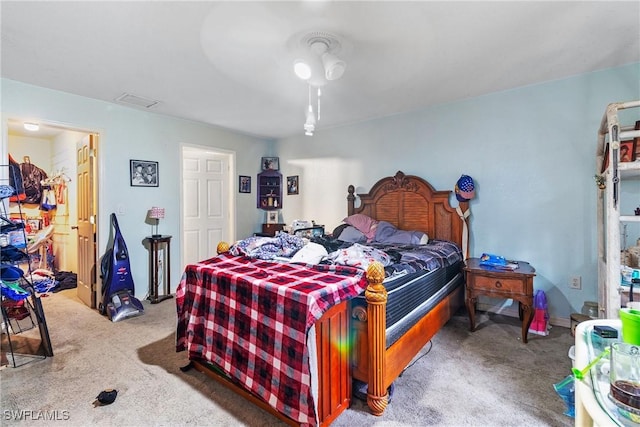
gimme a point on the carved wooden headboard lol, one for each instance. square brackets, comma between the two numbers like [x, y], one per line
[410, 203]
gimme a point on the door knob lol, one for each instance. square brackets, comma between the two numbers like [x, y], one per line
[74, 227]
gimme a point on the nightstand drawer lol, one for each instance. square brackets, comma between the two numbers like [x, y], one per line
[498, 284]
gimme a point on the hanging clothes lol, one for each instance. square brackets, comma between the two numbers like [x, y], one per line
[60, 189]
[48, 199]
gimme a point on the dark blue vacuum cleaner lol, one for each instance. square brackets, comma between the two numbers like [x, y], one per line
[118, 291]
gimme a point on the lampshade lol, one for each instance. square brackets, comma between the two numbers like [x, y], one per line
[333, 66]
[156, 213]
[302, 69]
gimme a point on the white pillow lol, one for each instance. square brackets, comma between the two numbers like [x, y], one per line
[311, 253]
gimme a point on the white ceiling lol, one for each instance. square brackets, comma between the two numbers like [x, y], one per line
[230, 63]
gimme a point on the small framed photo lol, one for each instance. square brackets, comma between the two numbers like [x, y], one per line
[34, 224]
[628, 151]
[144, 173]
[270, 164]
[292, 184]
[244, 184]
[272, 217]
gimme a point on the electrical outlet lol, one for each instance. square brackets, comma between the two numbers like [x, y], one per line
[575, 282]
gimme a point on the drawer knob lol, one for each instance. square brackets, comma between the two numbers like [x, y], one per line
[498, 284]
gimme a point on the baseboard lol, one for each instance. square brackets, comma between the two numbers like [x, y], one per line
[512, 311]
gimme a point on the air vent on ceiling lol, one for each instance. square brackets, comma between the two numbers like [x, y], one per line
[138, 101]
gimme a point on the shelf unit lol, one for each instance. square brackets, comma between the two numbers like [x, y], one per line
[269, 190]
[20, 305]
[610, 134]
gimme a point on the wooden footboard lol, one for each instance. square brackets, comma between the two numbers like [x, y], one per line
[376, 365]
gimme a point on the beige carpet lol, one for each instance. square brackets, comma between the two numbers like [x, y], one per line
[485, 378]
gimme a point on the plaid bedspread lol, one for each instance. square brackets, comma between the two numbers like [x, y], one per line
[251, 317]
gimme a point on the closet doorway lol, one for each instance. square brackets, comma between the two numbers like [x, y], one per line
[208, 208]
[69, 157]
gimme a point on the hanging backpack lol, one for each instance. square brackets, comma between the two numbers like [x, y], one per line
[32, 176]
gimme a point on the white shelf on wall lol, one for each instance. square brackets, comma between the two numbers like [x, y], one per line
[610, 133]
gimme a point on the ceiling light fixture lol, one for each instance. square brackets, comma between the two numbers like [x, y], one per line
[33, 127]
[317, 66]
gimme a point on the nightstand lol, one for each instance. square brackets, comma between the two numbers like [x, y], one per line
[513, 284]
[270, 230]
[159, 267]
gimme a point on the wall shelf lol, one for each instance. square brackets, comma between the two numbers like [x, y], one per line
[269, 190]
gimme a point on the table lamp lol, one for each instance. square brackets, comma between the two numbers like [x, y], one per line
[157, 214]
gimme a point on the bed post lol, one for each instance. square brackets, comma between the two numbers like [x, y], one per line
[351, 198]
[376, 295]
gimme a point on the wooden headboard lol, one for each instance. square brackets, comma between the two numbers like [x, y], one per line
[411, 203]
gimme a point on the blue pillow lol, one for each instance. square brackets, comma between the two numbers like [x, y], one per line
[352, 235]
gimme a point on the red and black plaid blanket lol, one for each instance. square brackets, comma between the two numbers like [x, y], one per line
[251, 317]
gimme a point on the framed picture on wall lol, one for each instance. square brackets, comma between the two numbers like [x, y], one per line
[144, 173]
[628, 151]
[292, 184]
[272, 217]
[270, 163]
[244, 184]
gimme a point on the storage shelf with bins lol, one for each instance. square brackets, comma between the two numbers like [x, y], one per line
[269, 190]
[615, 175]
[20, 304]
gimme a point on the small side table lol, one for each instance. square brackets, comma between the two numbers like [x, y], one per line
[270, 230]
[159, 267]
[515, 284]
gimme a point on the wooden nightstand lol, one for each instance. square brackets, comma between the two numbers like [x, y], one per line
[270, 230]
[516, 285]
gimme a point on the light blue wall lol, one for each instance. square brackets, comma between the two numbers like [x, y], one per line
[531, 152]
[125, 134]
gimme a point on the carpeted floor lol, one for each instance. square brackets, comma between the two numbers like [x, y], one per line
[485, 378]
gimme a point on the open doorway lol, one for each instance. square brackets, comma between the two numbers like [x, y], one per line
[61, 211]
[208, 208]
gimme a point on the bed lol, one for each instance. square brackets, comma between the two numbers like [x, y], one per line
[348, 337]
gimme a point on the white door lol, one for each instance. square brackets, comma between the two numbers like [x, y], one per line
[206, 207]
[85, 159]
